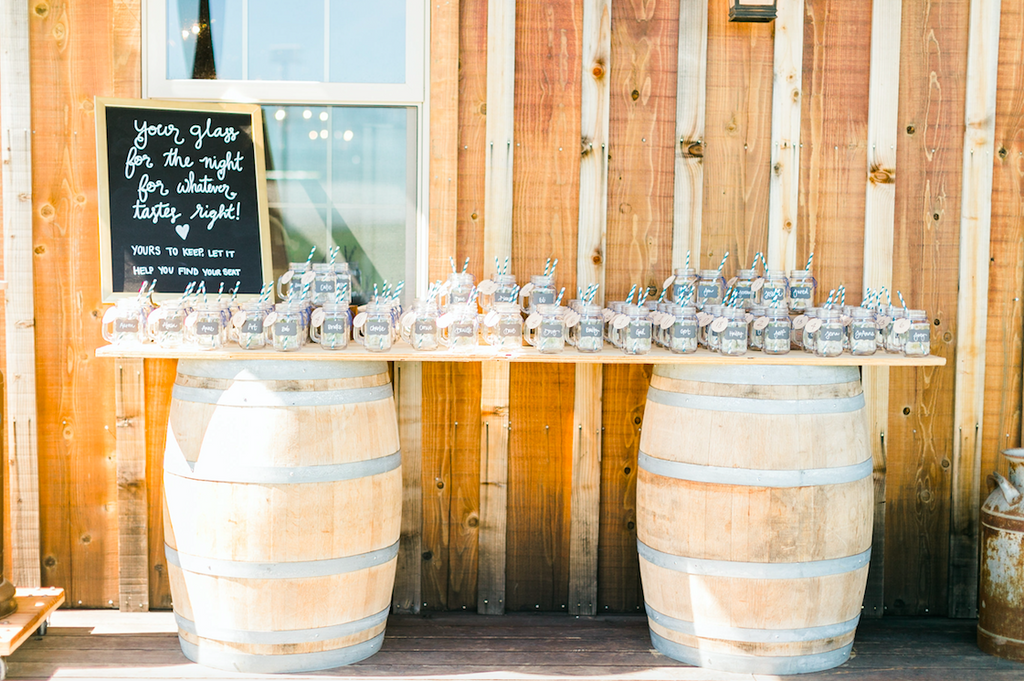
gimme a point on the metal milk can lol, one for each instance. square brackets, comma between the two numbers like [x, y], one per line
[1001, 596]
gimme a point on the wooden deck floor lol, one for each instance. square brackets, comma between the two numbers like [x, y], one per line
[110, 645]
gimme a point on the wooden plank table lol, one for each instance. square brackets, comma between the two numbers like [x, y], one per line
[32, 615]
[609, 355]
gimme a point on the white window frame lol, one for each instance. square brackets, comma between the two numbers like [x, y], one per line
[412, 93]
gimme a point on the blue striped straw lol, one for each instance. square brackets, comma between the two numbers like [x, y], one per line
[902, 302]
[547, 267]
[810, 259]
[687, 265]
[465, 265]
[842, 295]
[451, 259]
[553, 266]
[309, 258]
[632, 292]
[504, 270]
[558, 300]
[721, 265]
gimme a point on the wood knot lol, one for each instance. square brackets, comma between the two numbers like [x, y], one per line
[777, 168]
[694, 149]
[597, 258]
[41, 10]
[911, 129]
[586, 146]
[47, 211]
[1002, 152]
[880, 175]
[483, 109]
[474, 216]
[635, 95]
[598, 70]
[39, 250]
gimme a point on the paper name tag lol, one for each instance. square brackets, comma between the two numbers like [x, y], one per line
[525, 291]
[703, 319]
[718, 326]
[668, 282]
[620, 321]
[318, 316]
[812, 325]
[287, 276]
[238, 319]
[190, 321]
[487, 287]
[109, 315]
[882, 322]
[360, 319]
[760, 323]
[901, 325]
[756, 285]
[445, 320]
[491, 318]
[800, 321]
[572, 318]
[269, 319]
[533, 321]
[666, 321]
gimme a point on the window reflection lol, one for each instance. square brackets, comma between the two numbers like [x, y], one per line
[339, 176]
[338, 41]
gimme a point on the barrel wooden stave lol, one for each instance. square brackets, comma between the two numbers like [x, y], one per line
[756, 520]
[282, 512]
[730, 493]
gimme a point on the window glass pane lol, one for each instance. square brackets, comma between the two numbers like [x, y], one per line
[367, 41]
[339, 176]
[286, 40]
[211, 29]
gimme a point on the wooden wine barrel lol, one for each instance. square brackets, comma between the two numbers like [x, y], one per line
[282, 509]
[754, 505]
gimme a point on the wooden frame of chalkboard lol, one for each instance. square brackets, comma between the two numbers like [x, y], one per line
[182, 196]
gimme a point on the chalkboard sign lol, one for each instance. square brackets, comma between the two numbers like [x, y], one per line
[182, 196]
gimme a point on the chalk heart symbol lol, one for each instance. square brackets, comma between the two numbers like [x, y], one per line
[182, 231]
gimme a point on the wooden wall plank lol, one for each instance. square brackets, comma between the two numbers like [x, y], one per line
[594, 101]
[494, 464]
[880, 216]
[78, 51]
[691, 96]
[972, 304]
[444, 132]
[408, 377]
[132, 517]
[159, 381]
[618, 570]
[1003, 386]
[497, 239]
[499, 150]
[472, 156]
[549, 66]
[464, 489]
[585, 501]
[21, 418]
[641, 170]
[539, 489]
[641, 174]
[834, 127]
[450, 483]
[787, 97]
[929, 155]
[737, 140]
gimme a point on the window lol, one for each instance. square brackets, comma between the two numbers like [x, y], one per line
[341, 84]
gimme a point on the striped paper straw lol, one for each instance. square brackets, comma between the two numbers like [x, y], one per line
[558, 300]
[721, 265]
[810, 259]
[632, 292]
[687, 265]
[902, 302]
[547, 267]
[465, 265]
[451, 259]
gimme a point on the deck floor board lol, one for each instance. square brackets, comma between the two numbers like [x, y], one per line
[83, 644]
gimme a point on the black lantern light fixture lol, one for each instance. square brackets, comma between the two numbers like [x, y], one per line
[752, 10]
